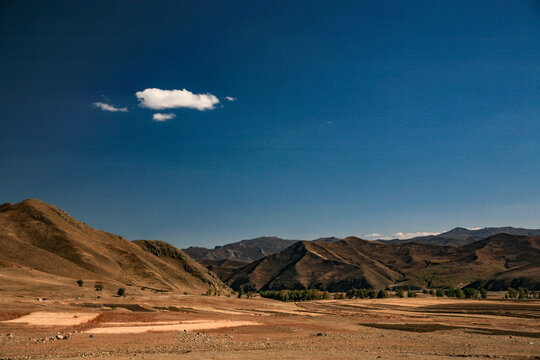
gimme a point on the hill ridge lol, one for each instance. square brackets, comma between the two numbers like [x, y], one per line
[39, 236]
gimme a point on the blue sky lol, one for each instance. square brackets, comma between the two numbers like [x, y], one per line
[348, 118]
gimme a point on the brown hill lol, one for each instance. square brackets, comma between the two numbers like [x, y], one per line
[43, 240]
[356, 263]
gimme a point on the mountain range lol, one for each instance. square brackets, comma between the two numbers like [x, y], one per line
[255, 249]
[43, 246]
[495, 262]
[460, 236]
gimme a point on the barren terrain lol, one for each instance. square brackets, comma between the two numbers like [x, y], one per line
[166, 326]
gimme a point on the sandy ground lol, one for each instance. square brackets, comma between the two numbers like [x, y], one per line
[165, 326]
[131, 328]
[43, 318]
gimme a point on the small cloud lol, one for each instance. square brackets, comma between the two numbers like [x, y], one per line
[477, 228]
[159, 99]
[409, 235]
[230, 98]
[163, 117]
[108, 107]
[329, 122]
[374, 235]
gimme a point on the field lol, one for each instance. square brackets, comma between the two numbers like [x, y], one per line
[165, 326]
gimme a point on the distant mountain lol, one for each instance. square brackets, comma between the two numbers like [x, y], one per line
[327, 239]
[245, 250]
[356, 263]
[41, 244]
[460, 236]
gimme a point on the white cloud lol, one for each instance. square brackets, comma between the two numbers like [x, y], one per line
[402, 236]
[230, 98]
[163, 117]
[108, 107]
[159, 99]
[374, 235]
[477, 228]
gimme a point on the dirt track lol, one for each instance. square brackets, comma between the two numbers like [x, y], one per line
[152, 327]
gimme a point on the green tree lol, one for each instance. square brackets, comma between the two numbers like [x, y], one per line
[411, 294]
[382, 294]
[512, 293]
[121, 292]
[483, 293]
[80, 282]
[439, 293]
[240, 293]
[399, 293]
[470, 293]
[522, 293]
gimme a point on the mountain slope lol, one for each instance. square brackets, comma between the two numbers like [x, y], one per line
[354, 262]
[178, 259]
[224, 268]
[36, 236]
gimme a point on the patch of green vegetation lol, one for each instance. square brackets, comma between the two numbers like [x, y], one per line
[295, 295]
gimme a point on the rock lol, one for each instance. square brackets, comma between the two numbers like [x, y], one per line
[92, 336]
[9, 335]
[59, 337]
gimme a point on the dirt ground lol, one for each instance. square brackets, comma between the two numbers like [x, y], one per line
[164, 326]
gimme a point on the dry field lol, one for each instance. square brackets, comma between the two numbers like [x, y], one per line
[162, 326]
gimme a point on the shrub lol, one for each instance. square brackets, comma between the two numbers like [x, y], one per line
[399, 293]
[98, 287]
[439, 293]
[382, 294]
[512, 293]
[80, 282]
[121, 292]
